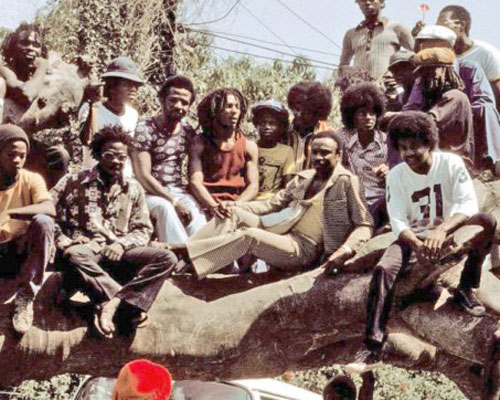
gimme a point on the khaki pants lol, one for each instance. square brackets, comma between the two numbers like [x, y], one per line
[223, 241]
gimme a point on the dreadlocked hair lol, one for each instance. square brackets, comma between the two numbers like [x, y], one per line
[450, 81]
[9, 45]
[212, 105]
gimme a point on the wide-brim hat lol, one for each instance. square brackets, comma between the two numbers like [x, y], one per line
[123, 67]
[434, 57]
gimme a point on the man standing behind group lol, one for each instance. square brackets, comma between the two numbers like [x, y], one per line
[458, 19]
[162, 146]
[222, 162]
[371, 43]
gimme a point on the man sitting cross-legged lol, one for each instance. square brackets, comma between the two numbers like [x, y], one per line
[429, 196]
[104, 230]
[321, 208]
[26, 226]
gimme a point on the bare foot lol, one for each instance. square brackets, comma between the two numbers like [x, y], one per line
[103, 320]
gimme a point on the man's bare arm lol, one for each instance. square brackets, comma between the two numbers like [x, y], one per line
[252, 172]
[44, 207]
[196, 176]
[90, 126]
[496, 90]
[141, 161]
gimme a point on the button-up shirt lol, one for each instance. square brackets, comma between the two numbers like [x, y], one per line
[331, 220]
[361, 162]
[372, 46]
[168, 152]
[105, 214]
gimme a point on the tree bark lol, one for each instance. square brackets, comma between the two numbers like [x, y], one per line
[249, 326]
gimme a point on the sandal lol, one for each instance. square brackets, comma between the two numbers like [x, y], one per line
[98, 320]
[140, 321]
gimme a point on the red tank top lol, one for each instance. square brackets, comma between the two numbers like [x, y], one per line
[224, 172]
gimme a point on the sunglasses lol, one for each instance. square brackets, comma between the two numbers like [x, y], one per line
[110, 156]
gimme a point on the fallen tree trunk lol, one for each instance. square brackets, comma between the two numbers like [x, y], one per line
[262, 325]
[249, 326]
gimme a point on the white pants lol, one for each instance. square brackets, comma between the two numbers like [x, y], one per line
[168, 226]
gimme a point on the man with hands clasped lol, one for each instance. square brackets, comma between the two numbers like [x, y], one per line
[429, 196]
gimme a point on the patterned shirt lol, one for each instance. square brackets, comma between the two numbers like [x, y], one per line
[361, 162]
[85, 206]
[371, 47]
[168, 152]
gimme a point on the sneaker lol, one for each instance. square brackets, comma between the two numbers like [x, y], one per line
[23, 313]
[365, 360]
[467, 300]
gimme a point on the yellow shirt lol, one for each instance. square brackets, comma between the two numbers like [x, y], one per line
[311, 223]
[274, 164]
[29, 189]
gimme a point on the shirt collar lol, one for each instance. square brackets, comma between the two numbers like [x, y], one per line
[339, 170]
[93, 175]
[364, 24]
[353, 140]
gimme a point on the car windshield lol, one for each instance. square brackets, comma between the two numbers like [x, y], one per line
[101, 389]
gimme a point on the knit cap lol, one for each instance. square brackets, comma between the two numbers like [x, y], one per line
[11, 133]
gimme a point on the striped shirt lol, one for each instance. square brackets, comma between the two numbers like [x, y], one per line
[371, 47]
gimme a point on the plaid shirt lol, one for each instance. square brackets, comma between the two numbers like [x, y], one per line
[105, 214]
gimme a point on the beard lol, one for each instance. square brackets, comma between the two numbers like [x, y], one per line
[433, 89]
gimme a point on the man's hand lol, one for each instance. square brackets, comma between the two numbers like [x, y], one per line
[433, 244]
[183, 213]
[223, 209]
[94, 92]
[381, 171]
[80, 239]
[417, 28]
[113, 252]
[335, 262]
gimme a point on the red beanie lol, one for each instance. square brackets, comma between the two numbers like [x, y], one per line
[143, 377]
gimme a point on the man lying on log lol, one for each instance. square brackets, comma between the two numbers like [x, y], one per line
[321, 208]
[103, 230]
[429, 196]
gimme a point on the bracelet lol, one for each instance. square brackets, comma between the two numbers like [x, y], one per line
[175, 201]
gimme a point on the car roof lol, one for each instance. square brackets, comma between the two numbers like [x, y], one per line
[276, 388]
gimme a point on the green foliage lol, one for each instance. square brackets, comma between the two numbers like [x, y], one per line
[391, 383]
[60, 387]
[102, 30]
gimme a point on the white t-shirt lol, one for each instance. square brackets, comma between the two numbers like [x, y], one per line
[487, 56]
[421, 202]
[128, 121]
